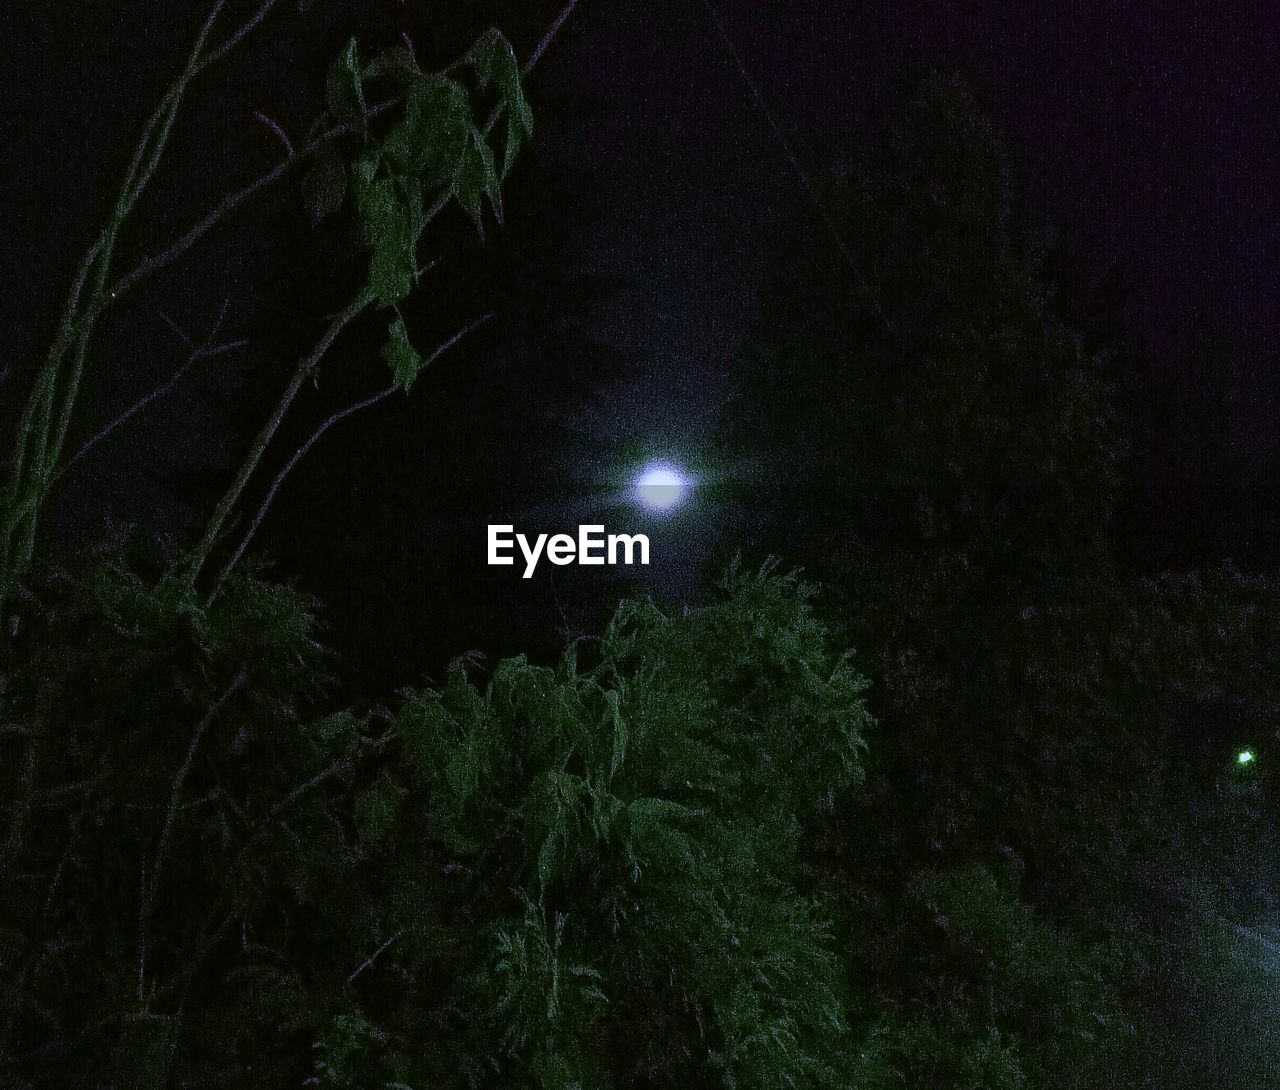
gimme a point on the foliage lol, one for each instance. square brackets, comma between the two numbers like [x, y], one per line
[948, 456]
[434, 151]
[587, 874]
[417, 146]
[622, 840]
[156, 762]
[1004, 997]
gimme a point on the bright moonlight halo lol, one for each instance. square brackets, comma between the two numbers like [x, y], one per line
[660, 487]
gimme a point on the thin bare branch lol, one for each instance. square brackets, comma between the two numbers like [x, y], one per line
[151, 883]
[303, 371]
[301, 452]
[179, 782]
[549, 36]
[368, 962]
[198, 354]
[248, 28]
[177, 330]
[802, 175]
[230, 203]
[281, 135]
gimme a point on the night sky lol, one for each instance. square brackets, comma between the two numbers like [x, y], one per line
[1148, 132]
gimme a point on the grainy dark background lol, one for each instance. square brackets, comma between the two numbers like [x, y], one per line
[1148, 132]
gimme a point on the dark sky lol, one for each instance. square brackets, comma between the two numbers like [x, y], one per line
[1150, 133]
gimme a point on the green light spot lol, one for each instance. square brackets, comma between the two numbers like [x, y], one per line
[1244, 757]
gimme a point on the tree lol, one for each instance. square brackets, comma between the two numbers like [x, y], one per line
[586, 874]
[605, 856]
[943, 451]
[948, 447]
[396, 145]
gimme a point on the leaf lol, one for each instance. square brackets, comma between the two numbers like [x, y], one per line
[343, 92]
[390, 274]
[396, 63]
[512, 145]
[387, 224]
[337, 733]
[477, 179]
[495, 62]
[619, 725]
[324, 187]
[375, 812]
[401, 356]
[432, 138]
[363, 172]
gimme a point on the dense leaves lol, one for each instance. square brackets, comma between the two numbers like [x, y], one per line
[622, 840]
[403, 171]
[587, 874]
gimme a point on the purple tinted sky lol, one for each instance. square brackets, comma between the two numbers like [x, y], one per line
[1151, 132]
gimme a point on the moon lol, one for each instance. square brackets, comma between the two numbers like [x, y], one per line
[660, 487]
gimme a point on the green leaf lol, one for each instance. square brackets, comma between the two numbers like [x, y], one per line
[390, 274]
[495, 62]
[387, 224]
[324, 186]
[512, 145]
[337, 733]
[614, 715]
[477, 179]
[431, 139]
[343, 92]
[401, 356]
[397, 64]
[363, 172]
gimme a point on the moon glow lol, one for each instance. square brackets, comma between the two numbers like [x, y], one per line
[660, 487]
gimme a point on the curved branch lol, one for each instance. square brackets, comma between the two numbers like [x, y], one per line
[248, 28]
[304, 369]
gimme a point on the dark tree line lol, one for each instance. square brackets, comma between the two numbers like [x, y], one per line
[957, 462]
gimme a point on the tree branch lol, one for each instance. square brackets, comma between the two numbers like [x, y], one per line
[305, 367]
[248, 28]
[197, 355]
[149, 887]
[232, 201]
[301, 452]
[368, 962]
[549, 36]
[802, 176]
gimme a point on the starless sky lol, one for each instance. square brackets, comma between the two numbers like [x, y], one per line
[1150, 132]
